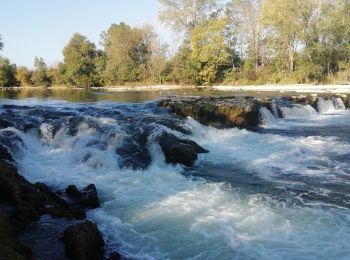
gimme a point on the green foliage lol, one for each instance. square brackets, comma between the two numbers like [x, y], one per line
[211, 53]
[80, 57]
[7, 73]
[40, 77]
[184, 70]
[128, 51]
[231, 42]
[24, 76]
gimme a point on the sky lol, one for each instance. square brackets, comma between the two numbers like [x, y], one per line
[42, 28]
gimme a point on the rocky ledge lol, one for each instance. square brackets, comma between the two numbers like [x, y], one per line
[223, 112]
[23, 204]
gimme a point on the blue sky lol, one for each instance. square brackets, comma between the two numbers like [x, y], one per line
[42, 28]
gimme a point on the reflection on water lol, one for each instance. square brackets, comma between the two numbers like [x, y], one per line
[94, 95]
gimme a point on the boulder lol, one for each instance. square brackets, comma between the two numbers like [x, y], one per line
[83, 242]
[85, 199]
[223, 112]
[177, 150]
[30, 201]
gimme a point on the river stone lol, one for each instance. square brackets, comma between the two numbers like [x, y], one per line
[223, 112]
[83, 242]
[30, 201]
[86, 199]
[178, 150]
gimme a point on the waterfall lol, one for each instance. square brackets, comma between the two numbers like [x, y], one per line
[296, 110]
[338, 103]
[274, 109]
[267, 118]
[324, 106]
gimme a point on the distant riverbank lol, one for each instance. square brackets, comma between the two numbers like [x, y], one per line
[301, 88]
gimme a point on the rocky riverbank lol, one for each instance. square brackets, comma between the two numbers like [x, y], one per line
[23, 204]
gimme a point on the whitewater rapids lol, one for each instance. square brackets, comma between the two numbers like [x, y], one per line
[275, 194]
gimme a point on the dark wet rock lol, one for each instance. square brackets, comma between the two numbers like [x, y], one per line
[115, 256]
[177, 150]
[73, 192]
[5, 154]
[242, 112]
[83, 242]
[30, 201]
[72, 124]
[29, 126]
[5, 123]
[133, 152]
[85, 199]
[10, 246]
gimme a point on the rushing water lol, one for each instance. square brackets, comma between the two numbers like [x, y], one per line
[279, 193]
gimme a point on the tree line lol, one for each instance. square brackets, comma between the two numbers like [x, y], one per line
[239, 42]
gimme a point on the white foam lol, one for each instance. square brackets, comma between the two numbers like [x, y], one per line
[267, 118]
[297, 111]
[161, 214]
[324, 106]
[338, 103]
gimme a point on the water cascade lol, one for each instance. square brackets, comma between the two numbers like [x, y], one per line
[266, 117]
[338, 103]
[324, 106]
[291, 110]
[274, 108]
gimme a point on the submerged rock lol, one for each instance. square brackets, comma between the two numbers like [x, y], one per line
[242, 112]
[83, 242]
[178, 150]
[85, 199]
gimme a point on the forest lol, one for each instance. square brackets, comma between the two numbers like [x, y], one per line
[239, 42]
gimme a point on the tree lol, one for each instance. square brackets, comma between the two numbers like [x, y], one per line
[211, 52]
[128, 52]
[1, 43]
[244, 17]
[7, 73]
[185, 15]
[40, 77]
[285, 21]
[24, 76]
[80, 57]
[158, 61]
[334, 35]
[184, 70]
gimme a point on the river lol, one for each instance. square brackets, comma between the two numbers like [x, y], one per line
[280, 192]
